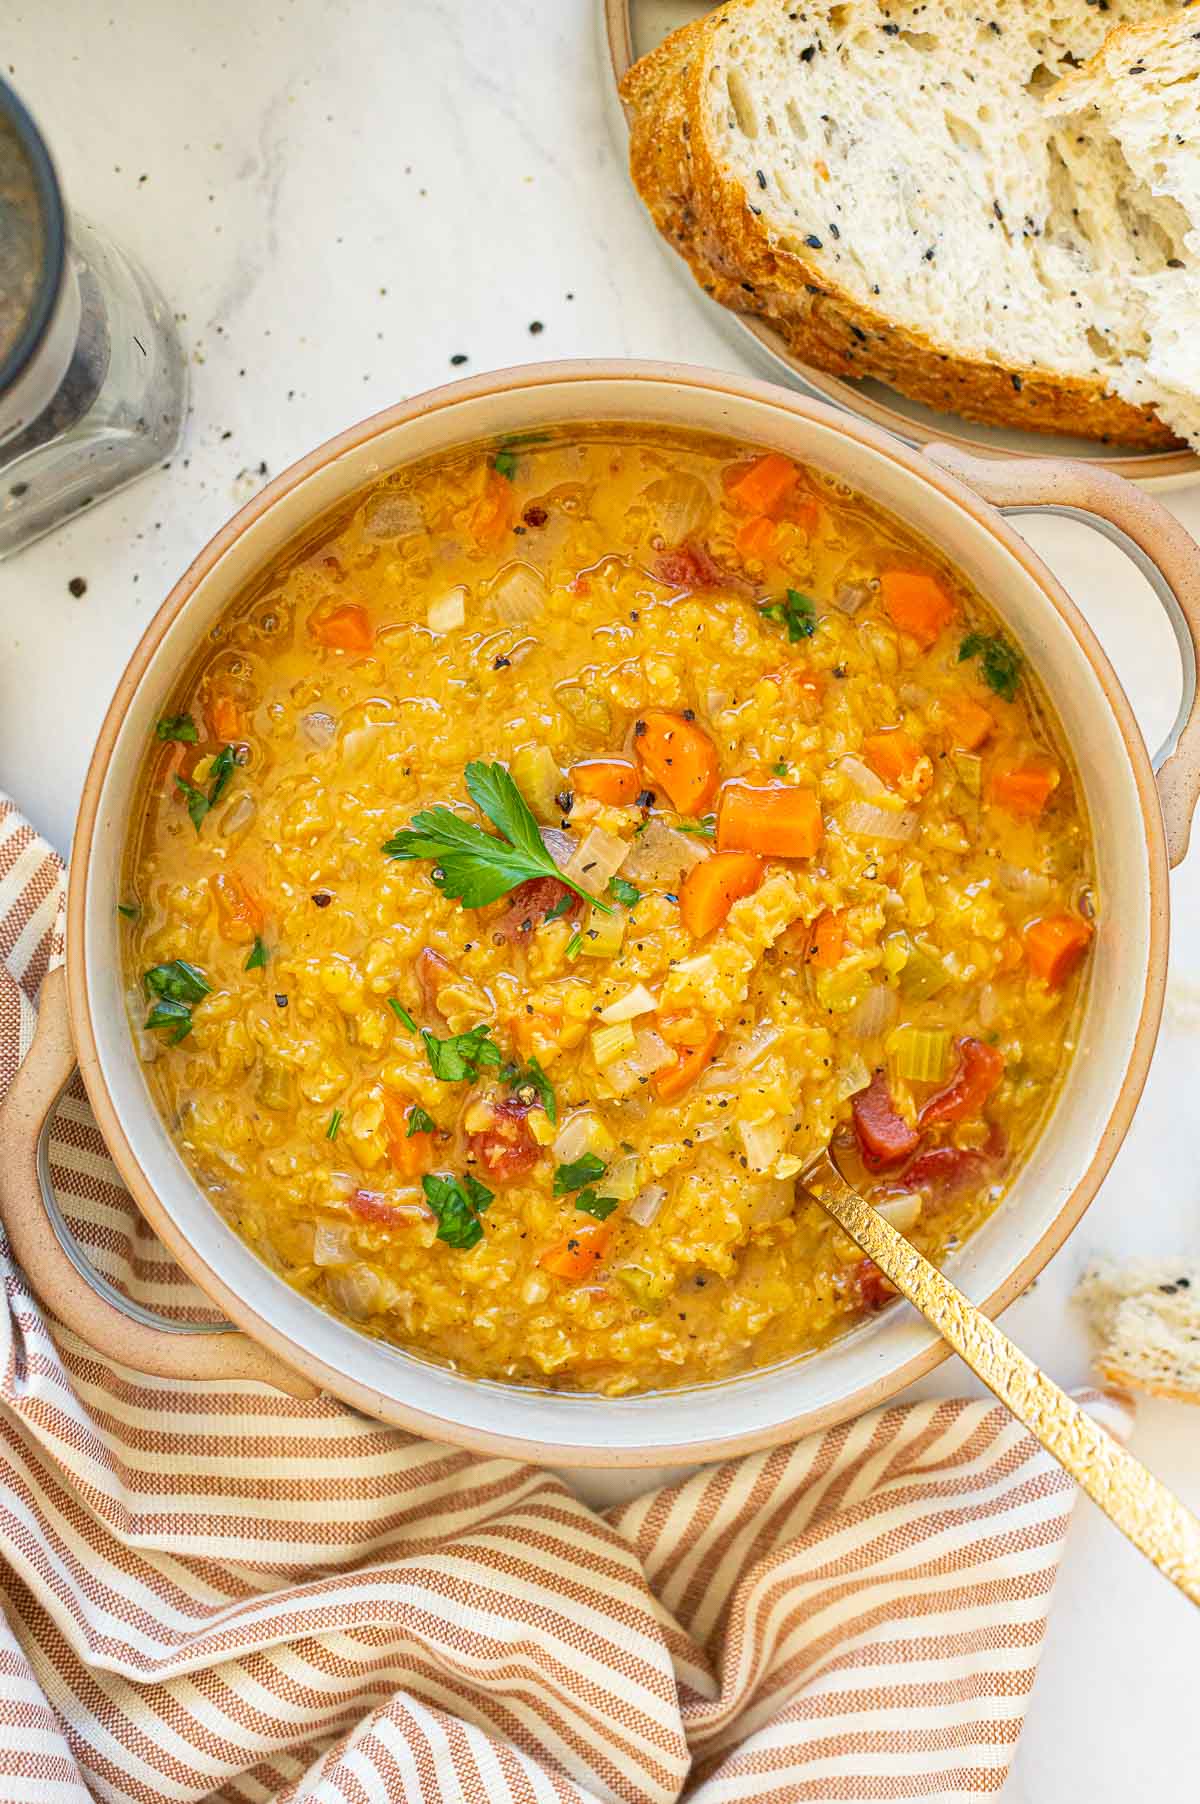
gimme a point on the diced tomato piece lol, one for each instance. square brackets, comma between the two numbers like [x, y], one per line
[240, 914]
[884, 1137]
[979, 1071]
[689, 566]
[529, 904]
[411, 1155]
[369, 1206]
[871, 1287]
[945, 1171]
[506, 1148]
[433, 973]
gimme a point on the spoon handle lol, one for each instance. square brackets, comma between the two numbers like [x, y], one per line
[1142, 1507]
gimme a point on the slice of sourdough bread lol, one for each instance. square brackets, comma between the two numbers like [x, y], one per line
[1141, 94]
[879, 179]
[1147, 1321]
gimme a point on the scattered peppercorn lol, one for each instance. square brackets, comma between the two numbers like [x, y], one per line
[536, 326]
[813, 242]
[535, 516]
[322, 898]
[458, 357]
[281, 1002]
[77, 586]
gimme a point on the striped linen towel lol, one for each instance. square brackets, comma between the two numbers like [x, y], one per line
[228, 1594]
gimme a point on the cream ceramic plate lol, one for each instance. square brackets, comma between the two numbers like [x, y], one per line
[629, 28]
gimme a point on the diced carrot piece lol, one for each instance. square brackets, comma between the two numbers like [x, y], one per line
[970, 723]
[763, 486]
[692, 1055]
[710, 889]
[576, 1256]
[1024, 789]
[900, 761]
[411, 1155]
[827, 939]
[1054, 946]
[240, 915]
[680, 757]
[491, 516]
[757, 537]
[777, 820]
[917, 604]
[611, 780]
[347, 628]
[224, 717]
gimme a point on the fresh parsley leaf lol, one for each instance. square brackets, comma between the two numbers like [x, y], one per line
[704, 828]
[130, 910]
[505, 464]
[335, 1122]
[559, 909]
[258, 955]
[781, 767]
[402, 1015]
[458, 1204]
[599, 1206]
[999, 661]
[420, 1121]
[575, 944]
[473, 866]
[177, 982]
[220, 771]
[178, 726]
[578, 1172]
[796, 613]
[172, 1015]
[458, 1059]
[627, 894]
[531, 1077]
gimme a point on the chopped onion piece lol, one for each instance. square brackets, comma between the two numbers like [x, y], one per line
[318, 727]
[653, 1054]
[853, 1077]
[762, 1141]
[582, 1132]
[850, 597]
[240, 812]
[518, 594]
[681, 505]
[913, 695]
[392, 516]
[864, 821]
[772, 1202]
[661, 855]
[637, 1001]
[903, 1212]
[647, 1203]
[716, 701]
[448, 611]
[865, 780]
[621, 1178]
[561, 846]
[333, 1245]
[1034, 884]
[598, 857]
[875, 1014]
[361, 1291]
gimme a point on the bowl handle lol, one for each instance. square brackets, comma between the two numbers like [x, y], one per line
[56, 1266]
[1158, 544]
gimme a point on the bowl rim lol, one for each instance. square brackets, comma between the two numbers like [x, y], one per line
[704, 383]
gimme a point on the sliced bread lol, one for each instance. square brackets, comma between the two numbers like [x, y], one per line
[1147, 1321]
[880, 180]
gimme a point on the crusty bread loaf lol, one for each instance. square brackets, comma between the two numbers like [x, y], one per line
[1141, 93]
[1147, 1321]
[880, 180]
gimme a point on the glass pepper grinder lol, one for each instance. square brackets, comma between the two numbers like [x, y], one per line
[93, 382]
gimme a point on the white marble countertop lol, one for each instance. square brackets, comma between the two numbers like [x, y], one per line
[338, 198]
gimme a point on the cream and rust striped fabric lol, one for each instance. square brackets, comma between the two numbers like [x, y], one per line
[228, 1594]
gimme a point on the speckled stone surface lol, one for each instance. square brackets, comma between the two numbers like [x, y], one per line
[342, 200]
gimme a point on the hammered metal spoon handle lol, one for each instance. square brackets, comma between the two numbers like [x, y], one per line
[1142, 1508]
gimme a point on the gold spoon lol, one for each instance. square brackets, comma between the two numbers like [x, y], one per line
[1142, 1507]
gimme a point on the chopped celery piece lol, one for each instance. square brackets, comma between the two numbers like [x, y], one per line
[840, 991]
[537, 776]
[969, 766]
[924, 974]
[647, 1289]
[920, 1055]
[612, 1043]
[603, 934]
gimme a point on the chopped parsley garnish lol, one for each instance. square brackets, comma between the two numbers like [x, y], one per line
[704, 828]
[420, 1121]
[581, 1171]
[796, 613]
[627, 894]
[130, 910]
[258, 955]
[575, 944]
[172, 1015]
[198, 802]
[458, 1204]
[473, 866]
[459, 1059]
[530, 1076]
[402, 1015]
[999, 661]
[335, 1122]
[505, 464]
[178, 726]
[559, 908]
[599, 1206]
[177, 982]
[781, 767]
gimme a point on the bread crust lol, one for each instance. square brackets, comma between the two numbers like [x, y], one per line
[710, 221]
